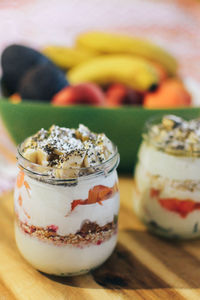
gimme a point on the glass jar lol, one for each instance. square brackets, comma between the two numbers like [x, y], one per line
[167, 188]
[66, 226]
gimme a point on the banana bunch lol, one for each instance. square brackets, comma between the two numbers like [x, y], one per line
[121, 44]
[65, 57]
[105, 58]
[135, 72]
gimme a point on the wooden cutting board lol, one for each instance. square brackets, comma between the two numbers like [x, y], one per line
[142, 266]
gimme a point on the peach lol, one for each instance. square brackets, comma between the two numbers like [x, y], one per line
[84, 93]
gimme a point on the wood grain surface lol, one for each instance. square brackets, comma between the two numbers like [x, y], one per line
[142, 266]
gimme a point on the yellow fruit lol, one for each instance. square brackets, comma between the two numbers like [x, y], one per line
[31, 155]
[66, 58]
[132, 71]
[113, 43]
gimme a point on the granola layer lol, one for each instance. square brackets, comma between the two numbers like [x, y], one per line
[89, 234]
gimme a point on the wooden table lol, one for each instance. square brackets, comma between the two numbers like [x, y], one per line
[142, 266]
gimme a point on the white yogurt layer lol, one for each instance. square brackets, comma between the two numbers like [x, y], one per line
[149, 210]
[166, 186]
[169, 166]
[62, 260]
[46, 204]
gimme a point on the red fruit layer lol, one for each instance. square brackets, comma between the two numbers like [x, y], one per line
[97, 194]
[181, 207]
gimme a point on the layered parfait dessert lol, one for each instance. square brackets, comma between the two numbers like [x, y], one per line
[66, 200]
[167, 178]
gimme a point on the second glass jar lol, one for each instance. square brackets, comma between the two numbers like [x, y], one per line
[167, 189]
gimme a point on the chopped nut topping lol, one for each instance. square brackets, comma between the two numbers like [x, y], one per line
[176, 136]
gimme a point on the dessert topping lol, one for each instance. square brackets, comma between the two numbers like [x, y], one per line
[176, 135]
[68, 150]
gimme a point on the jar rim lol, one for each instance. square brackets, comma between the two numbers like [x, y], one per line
[46, 172]
[148, 136]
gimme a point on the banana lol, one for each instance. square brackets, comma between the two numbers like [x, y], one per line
[113, 43]
[98, 150]
[65, 57]
[70, 167]
[104, 146]
[93, 157]
[132, 71]
[31, 155]
[83, 133]
[37, 156]
[42, 157]
[90, 158]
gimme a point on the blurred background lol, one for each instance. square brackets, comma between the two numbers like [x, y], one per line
[173, 24]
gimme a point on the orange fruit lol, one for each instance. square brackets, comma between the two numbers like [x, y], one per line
[171, 93]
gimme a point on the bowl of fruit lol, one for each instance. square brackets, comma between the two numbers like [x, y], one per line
[113, 83]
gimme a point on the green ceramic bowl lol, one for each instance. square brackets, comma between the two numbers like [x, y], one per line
[122, 125]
